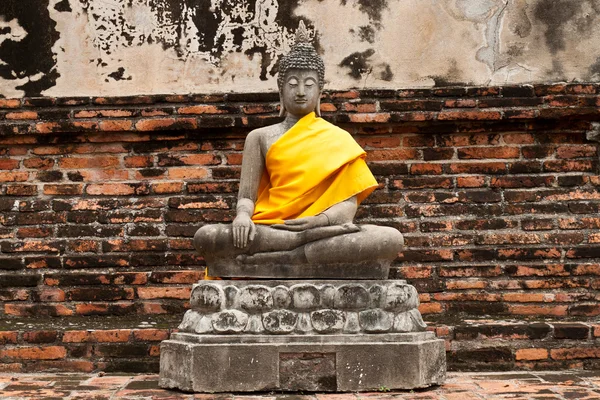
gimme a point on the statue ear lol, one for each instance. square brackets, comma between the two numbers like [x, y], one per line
[281, 109]
[318, 107]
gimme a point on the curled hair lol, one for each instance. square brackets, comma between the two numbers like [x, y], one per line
[302, 56]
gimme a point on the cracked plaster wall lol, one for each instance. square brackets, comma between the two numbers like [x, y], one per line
[126, 47]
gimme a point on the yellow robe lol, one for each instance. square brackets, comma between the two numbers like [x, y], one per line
[313, 166]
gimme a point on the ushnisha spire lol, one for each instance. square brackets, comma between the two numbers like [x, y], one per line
[301, 56]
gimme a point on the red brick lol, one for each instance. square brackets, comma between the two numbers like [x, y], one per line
[569, 166]
[426, 169]
[350, 94]
[38, 163]
[40, 336]
[395, 154]
[8, 337]
[111, 336]
[101, 175]
[151, 335]
[164, 293]
[22, 115]
[10, 103]
[201, 109]
[518, 138]
[413, 272]
[188, 173]
[26, 310]
[360, 107]
[83, 246]
[460, 103]
[575, 353]
[9, 163]
[576, 151]
[479, 153]
[51, 294]
[138, 161]
[88, 162]
[470, 181]
[63, 190]
[430, 308]
[469, 115]
[116, 126]
[35, 353]
[184, 277]
[166, 123]
[21, 190]
[466, 284]
[328, 107]
[116, 189]
[259, 109]
[477, 168]
[14, 176]
[181, 244]
[531, 354]
[538, 310]
[103, 113]
[76, 336]
[417, 141]
[167, 187]
[365, 118]
[527, 297]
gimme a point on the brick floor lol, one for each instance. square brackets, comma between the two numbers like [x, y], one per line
[459, 386]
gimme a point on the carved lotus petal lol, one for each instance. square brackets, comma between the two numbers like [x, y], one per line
[207, 298]
[305, 297]
[328, 321]
[352, 297]
[255, 299]
[230, 321]
[280, 321]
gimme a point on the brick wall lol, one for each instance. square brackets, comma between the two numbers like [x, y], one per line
[495, 189]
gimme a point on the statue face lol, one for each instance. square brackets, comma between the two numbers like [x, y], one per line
[300, 91]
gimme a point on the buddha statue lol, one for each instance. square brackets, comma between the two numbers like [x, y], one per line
[301, 183]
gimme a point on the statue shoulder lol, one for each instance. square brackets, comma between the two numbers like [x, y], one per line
[264, 137]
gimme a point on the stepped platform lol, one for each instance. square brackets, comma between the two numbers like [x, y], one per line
[132, 344]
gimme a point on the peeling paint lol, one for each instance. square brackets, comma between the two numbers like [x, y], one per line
[125, 47]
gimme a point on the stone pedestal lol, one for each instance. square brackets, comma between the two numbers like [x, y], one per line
[326, 335]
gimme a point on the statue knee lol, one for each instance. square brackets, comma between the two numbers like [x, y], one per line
[206, 238]
[392, 241]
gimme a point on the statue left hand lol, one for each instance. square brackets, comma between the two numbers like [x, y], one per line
[302, 224]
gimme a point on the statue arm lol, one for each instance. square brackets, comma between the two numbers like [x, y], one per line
[338, 214]
[252, 169]
[342, 212]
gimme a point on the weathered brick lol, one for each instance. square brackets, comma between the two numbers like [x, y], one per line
[531, 354]
[35, 353]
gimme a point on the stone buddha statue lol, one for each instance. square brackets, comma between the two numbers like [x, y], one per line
[301, 183]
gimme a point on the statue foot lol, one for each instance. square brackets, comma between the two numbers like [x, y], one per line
[325, 232]
[295, 256]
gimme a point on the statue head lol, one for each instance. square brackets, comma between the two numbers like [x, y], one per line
[301, 75]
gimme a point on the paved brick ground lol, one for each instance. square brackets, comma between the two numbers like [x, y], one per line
[459, 386]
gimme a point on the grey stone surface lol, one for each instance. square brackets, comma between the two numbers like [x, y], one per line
[308, 307]
[366, 270]
[244, 363]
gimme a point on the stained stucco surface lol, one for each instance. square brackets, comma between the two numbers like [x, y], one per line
[126, 47]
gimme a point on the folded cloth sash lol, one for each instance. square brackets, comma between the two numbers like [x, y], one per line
[313, 166]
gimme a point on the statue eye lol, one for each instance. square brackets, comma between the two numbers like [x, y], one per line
[293, 82]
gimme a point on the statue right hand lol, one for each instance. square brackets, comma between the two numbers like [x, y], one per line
[244, 230]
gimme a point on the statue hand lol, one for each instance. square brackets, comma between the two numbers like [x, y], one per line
[302, 224]
[244, 230]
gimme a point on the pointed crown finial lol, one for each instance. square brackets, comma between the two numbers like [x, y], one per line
[302, 33]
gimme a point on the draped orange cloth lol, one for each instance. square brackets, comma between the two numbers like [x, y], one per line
[313, 166]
